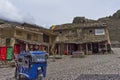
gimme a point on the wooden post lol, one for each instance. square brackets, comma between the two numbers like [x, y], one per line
[59, 48]
[26, 46]
[67, 49]
[48, 49]
[91, 48]
[12, 42]
[86, 49]
[98, 47]
[108, 37]
[80, 47]
[106, 47]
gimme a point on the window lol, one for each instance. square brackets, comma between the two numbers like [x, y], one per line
[90, 31]
[60, 32]
[45, 38]
[29, 36]
[35, 37]
[99, 32]
[0, 31]
[19, 33]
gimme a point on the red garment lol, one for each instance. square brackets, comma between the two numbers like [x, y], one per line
[65, 52]
[16, 49]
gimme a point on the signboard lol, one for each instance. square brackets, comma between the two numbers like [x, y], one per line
[99, 32]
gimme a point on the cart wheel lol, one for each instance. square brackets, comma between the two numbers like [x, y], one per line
[16, 75]
[39, 77]
[21, 77]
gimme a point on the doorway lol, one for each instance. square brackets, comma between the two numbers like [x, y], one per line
[95, 48]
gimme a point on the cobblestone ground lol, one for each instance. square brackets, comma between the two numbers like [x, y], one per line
[92, 67]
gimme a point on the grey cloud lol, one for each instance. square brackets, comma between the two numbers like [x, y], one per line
[9, 12]
[50, 12]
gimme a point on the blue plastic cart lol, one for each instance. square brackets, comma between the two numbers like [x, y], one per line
[31, 66]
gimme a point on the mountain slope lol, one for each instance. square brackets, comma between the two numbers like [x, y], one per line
[113, 23]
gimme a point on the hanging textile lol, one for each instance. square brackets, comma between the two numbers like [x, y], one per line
[9, 53]
[3, 51]
[16, 49]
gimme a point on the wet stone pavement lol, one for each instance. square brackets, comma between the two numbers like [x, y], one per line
[92, 67]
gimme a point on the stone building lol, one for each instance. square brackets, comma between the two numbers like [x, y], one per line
[25, 37]
[90, 37]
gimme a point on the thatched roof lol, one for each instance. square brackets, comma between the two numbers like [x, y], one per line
[28, 27]
[37, 28]
[81, 41]
[80, 25]
[27, 30]
[5, 25]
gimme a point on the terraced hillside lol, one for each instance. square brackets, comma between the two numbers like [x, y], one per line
[114, 25]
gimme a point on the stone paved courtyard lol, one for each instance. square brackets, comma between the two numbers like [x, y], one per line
[103, 67]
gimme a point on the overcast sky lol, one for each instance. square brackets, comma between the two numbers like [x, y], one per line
[52, 12]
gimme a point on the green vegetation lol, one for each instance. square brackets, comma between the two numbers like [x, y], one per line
[117, 14]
